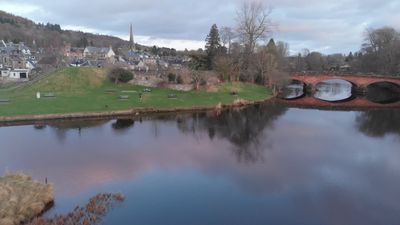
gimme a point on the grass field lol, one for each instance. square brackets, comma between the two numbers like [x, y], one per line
[88, 90]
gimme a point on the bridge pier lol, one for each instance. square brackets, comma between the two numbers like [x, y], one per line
[359, 90]
[309, 88]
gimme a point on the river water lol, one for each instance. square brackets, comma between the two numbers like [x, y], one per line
[333, 90]
[265, 164]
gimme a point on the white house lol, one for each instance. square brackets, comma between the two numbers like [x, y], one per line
[30, 65]
[19, 74]
[110, 53]
[142, 66]
[5, 72]
[95, 52]
[25, 50]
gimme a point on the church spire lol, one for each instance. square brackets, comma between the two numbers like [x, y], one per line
[131, 41]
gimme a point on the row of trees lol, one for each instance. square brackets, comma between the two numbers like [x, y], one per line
[242, 53]
[52, 27]
[379, 54]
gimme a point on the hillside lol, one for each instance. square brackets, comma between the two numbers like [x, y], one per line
[16, 29]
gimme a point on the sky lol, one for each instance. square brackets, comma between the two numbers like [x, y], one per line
[325, 26]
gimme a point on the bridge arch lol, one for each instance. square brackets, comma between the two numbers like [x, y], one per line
[354, 85]
[294, 89]
[383, 92]
[296, 80]
[334, 90]
[383, 82]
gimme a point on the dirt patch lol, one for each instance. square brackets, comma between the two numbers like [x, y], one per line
[180, 87]
[240, 102]
[212, 88]
[147, 81]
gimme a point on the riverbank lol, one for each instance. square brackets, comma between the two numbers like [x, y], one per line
[86, 92]
[122, 113]
[22, 199]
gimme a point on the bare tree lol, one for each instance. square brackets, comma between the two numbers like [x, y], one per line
[315, 61]
[254, 23]
[382, 50]
[267, 62]
[282, 49]
[264, 62]
[227, 35]
[305, 52]
[226, 68]
[197, 77]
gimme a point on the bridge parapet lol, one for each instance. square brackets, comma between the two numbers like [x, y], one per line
[360, 81]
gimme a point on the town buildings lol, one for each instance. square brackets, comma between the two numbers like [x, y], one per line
[16, 60]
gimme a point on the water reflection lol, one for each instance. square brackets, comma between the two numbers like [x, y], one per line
[333, 90]
[302, 166]
[294, 90]
[383, 92]
[378, 123]
[123, 124]
[242, 128]
[61, 128]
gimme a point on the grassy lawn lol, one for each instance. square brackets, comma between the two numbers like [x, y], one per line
[88, 90]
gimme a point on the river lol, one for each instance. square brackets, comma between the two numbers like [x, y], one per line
[264, 164]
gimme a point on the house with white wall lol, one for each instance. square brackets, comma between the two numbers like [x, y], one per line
[4, 72]
[19, 74]
[98, 53]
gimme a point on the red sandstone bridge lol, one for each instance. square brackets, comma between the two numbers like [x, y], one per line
[360, 81]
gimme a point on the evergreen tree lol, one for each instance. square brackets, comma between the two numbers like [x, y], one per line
[213, 45]
[350, 57]
[271, 62]
[271, 48]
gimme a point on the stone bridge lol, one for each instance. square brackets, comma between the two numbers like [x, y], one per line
[359, 81]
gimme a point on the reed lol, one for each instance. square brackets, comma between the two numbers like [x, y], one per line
[90, 214]
[22, 198]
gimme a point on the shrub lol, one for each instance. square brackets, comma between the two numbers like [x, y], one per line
[120, 75]
[203, 82]
[171, 77]
[162, 84]
[179, 80]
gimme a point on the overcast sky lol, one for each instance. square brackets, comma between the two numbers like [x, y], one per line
[325, 26]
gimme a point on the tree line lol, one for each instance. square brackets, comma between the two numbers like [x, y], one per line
[242, 53]
[245, 53]
[379, 54]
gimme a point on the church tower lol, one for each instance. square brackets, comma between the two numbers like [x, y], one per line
[131, 41]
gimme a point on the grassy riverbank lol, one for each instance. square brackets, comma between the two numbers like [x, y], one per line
[74, 90]
[22, 199]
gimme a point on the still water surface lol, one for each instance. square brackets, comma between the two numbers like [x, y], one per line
[333, 90]
[260, 165]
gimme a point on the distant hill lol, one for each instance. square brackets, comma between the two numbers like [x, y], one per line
[16, 29]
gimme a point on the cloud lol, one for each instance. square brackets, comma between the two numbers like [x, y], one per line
[317, 25]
